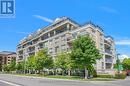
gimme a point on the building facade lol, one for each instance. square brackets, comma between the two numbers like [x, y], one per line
[6, 57]
[58, 37]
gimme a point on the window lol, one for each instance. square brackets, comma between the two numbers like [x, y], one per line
[93, 31]
[52, 33]
[40, 45]
[74, 35]
[56, 40]
[63, 38]
[61, 29]
[46, 44]
[102, 65]
[83, 32]
[63, 48]
[56, 49]
[50, 42]
[45, 36]
[50, 50]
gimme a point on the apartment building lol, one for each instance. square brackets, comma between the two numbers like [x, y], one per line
[58, 38]
[6, 57]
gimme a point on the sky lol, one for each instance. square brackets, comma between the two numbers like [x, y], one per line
[112, 15]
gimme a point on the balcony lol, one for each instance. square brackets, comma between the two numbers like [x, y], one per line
[31, 50]
[108, 60]
[108, 51]
[69, 39]
[108, 66]
[20, 54]
[20, 58]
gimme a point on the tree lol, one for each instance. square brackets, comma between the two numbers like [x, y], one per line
[31, 63]
[61, 61]
[20, 66]
[118, 62]
[43, 60]
[84, 53]
[6, 68]
[12, 65]
[126, 64]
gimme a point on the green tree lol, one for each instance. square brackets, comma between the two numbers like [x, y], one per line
[12, 65]
[30, 63]
[118, 62]
[61, 61]
[84, 53]
[43, 60]
[64, 62]
[126, 64]
[20, 66]
[6, 68]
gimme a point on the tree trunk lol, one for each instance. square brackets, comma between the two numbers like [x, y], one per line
[54, 71]
[62, 73]
[69, 72]
[39, 71]
[29, 71]
[86, 73]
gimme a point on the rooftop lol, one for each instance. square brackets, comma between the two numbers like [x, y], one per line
[6, 53]
[56, 21]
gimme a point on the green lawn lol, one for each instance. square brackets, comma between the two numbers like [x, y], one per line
[68, 77]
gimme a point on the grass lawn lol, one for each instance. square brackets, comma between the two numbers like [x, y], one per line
[68, 77]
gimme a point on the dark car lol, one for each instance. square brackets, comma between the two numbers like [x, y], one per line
[128, 72]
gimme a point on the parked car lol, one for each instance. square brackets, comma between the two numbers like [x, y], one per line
[128, 72]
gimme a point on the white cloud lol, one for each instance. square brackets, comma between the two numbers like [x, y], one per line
[122, 57]
[43, 18]
[123, 42]
[108, 9]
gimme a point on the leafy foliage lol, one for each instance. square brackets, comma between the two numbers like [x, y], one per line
[84, 52]
[126, 64]
[12, 65]
[20, 65]
[31, 62]
[6, 68]
[61, 61]
[43, 60]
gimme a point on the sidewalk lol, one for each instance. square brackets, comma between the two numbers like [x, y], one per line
[127, 78]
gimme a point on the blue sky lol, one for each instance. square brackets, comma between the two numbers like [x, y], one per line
[111, 15]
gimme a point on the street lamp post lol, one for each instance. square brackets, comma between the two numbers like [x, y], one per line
[118, 65]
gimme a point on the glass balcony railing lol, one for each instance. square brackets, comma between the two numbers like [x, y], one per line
[108, 51]
[108, 60]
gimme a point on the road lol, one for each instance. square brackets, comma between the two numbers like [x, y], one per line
[12, 80]
[3, 84]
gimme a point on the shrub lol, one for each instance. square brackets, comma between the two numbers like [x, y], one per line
[105, 76]
[94, 73]
[120, 76]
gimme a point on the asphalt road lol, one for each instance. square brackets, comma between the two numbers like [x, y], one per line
[12, 80]
[3, 84]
